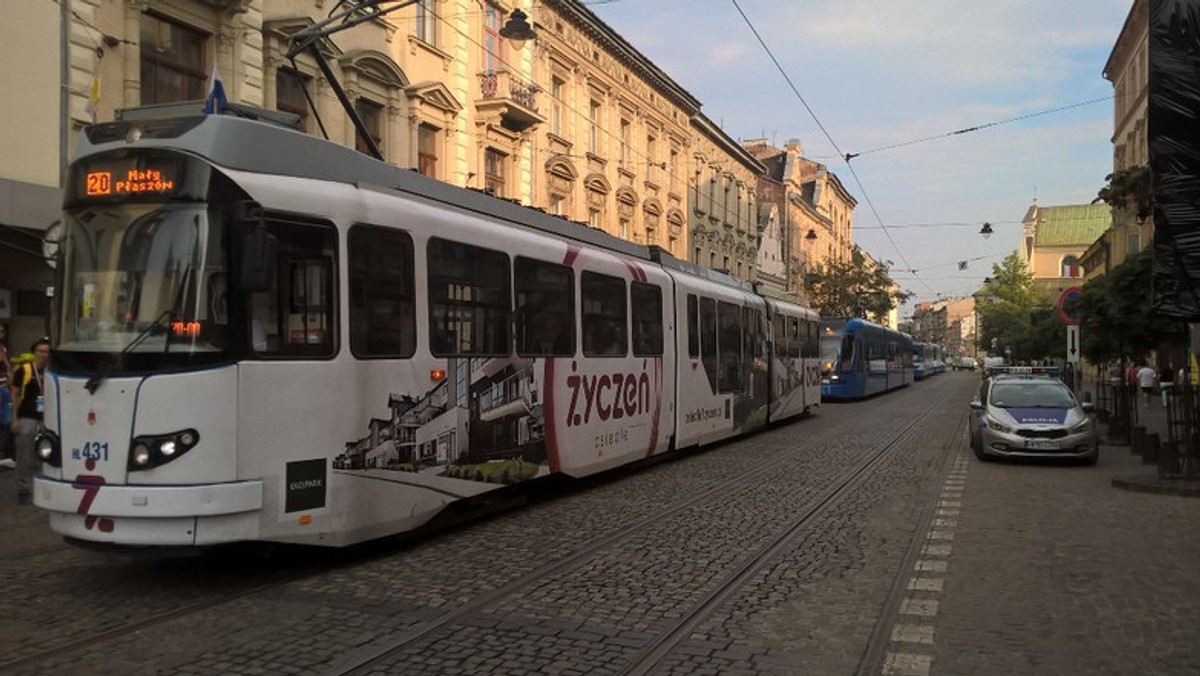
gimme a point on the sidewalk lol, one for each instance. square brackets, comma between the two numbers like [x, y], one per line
[1153, 419]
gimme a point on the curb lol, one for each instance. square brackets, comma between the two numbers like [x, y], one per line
[1150, 483]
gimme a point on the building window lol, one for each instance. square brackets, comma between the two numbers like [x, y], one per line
[557, 91]
[289, 94]
[370, 113]
[651, 235]
[427, 150]
[594, 218]
[491, 37]
[172, 62]
[651, 156]
[594, 127]
[1070, 267]
[426, 23]
[673, 168]
[623, 231]
[493, 170]
[625, 144]
[556, 205]
[1134, 243]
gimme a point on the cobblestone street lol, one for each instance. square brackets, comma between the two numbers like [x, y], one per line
[927, 562]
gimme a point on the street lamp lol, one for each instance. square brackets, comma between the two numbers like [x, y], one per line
[517, 29]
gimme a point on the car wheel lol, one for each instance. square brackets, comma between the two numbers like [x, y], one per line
[977, 447]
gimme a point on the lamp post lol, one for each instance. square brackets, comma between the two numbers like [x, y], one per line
[981, 295]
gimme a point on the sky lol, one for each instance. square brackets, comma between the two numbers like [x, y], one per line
[882, 72]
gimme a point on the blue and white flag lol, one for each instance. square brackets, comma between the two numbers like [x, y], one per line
[215, 101]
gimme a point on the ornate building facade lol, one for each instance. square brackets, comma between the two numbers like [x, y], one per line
[1127, 69]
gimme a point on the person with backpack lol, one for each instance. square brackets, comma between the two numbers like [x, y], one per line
[6, 408]
[29, 403]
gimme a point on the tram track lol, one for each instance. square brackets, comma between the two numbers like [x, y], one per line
[667, 638]
[102, 637]
[778, 458]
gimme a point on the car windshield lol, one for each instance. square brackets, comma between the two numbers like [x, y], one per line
[1031, 394]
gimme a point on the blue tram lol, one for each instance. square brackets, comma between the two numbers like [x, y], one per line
[860, 358]
[928, 359]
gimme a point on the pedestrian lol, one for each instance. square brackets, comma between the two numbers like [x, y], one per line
[1166, 382]
[6, 409]
[29, 403]
[1147, 378]
[1131, 376]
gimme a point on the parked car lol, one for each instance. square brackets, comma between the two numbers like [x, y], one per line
[1026, 413]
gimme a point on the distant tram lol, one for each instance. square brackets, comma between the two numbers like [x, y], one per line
[267, 336]
[860, 359]
[928, 359]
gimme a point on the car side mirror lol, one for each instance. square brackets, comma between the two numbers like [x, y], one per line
[1088, 407]
[976, 405]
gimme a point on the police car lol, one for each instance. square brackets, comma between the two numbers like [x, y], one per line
[1027, 412]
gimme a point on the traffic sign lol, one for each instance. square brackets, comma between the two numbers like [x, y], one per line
[1069, 297]
[1072, 343]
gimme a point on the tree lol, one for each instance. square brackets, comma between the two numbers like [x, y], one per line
[1128, 189]
[1116, 319]
[1014, 317]
[854, 289]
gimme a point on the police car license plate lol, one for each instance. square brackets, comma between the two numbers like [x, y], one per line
[1041, 445]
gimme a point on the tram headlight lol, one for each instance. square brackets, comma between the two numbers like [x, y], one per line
[152, 450]
[48, 448]
[140, 456]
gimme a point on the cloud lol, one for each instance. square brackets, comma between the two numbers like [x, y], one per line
[726, 53]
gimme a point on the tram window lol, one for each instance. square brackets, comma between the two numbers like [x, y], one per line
[812, 343]
[752, 335]
[382, 302]
[781, 341]
[545, 318]
[604, 315]
[693, 325]
[470, 300]
[793, 337]
[297, 317]
[645, 302]
[850, 359]
[730, 341]
[708, 339]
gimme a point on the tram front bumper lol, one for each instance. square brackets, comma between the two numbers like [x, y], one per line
[151, 515]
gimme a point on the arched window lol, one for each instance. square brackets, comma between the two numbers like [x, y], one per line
[1070, 267]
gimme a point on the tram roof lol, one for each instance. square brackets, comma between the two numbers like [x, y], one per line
[260, 147]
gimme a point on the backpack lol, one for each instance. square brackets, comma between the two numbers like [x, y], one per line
[27, 369]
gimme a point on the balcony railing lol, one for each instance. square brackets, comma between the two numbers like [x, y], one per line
[515, 99]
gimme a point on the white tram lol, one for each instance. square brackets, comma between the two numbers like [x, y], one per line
[266, 336]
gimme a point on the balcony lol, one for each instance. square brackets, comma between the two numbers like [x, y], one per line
[511, 100]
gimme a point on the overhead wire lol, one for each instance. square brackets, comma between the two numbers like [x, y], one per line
[828, 137]
[978, 127]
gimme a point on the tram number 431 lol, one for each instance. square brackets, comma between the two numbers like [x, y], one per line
[92, 450]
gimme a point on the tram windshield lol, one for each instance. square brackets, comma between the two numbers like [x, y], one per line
[832, 332]
[145, 281]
